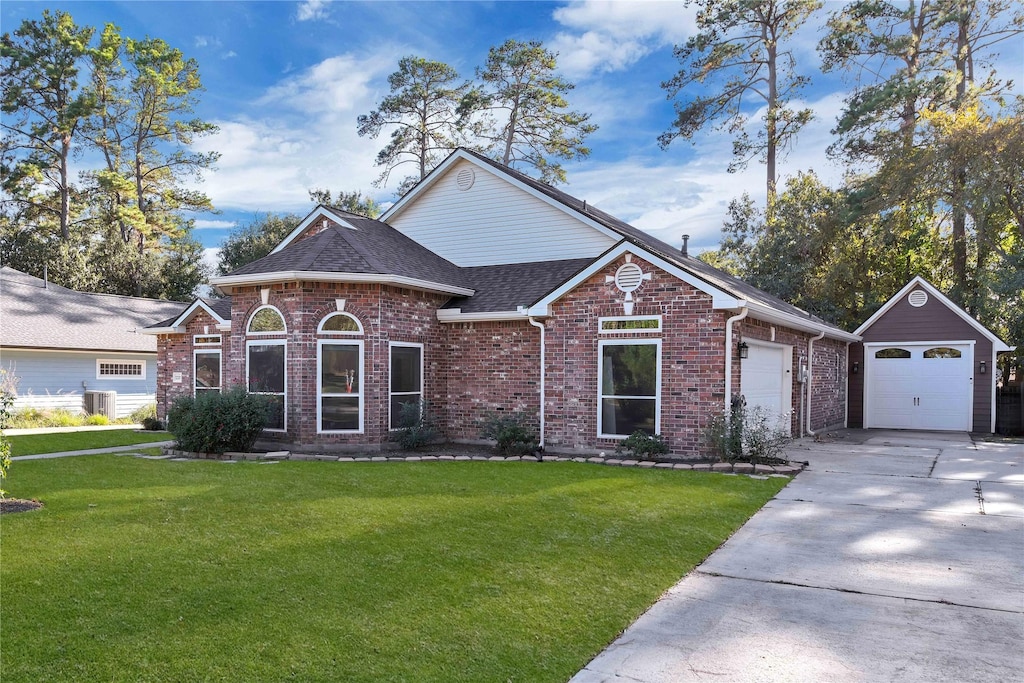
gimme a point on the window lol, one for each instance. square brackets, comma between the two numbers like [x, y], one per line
[206, 340]
[406, 382]
[120, 369]
[892, 353]
[630, 387]
[266, 320]
[942, 352]
[640, 323]
[265, 370]
[340, 323]
[340, 386]
[206, 371]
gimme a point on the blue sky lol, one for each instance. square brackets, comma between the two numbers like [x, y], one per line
[285, 82]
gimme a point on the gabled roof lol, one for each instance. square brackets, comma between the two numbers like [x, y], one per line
[38, 315]
[218, 309]
[504, 288]
[997, 343]
[361, 250]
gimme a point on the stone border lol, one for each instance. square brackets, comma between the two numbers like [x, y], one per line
[789, 469]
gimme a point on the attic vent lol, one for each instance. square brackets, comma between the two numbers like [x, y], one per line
[918, 298]
[628, 277]
[465, 179]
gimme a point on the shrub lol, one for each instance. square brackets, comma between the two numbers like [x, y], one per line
[97, 420]
[513, 433]
[747, 435]
[640, 444]
[6, 400]
[139, 415]
[152, 424]
[419, 428]
[218, 422]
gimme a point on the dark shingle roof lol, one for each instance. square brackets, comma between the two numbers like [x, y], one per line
[506, 287]
[36, 316]
[372, 247]
[221, 307]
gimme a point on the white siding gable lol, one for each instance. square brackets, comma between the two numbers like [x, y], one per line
[495, 222]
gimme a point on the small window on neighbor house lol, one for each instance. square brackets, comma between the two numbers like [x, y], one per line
[647, 323]
[117, 369]
[892, 353]
[340, 323]
[206, 340]
[942, 352]
[266, 320]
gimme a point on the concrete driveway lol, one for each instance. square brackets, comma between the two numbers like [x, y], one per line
[894, 556]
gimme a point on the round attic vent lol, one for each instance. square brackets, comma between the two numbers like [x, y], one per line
[918, 298]
[628, 277]
[465, 179]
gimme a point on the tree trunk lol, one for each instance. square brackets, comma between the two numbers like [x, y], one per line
[959, 188]
[65, 191]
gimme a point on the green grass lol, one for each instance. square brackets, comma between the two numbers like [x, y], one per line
[141, 570]
[32, 444]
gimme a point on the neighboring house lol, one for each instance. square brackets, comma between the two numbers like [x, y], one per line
[64, 346]
[483, 290]
[924, 363]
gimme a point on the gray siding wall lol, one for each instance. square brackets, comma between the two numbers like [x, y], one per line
[932, 322]
[54, 379]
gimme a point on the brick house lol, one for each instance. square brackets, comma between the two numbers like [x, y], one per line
[484, 290]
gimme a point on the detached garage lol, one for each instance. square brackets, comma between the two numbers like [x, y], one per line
[924, 363]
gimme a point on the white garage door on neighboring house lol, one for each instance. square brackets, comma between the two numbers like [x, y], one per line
[919, 386]
[765, 378]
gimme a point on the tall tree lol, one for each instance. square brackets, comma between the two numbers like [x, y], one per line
[740, 52]
[530, 120]
[44, 108]
[423, 114]
[353, 202]
[254, 240]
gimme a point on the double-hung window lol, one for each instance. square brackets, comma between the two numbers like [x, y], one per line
[266, 363]
[629, 387]
[340, 375]
[406, 383]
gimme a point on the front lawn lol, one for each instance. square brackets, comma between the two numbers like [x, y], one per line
[139, 570]
[32, 444]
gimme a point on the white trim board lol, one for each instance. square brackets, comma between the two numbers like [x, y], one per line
[319, 212]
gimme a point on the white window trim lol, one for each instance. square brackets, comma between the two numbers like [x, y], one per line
[248, 323]
[319, 386]
[628, 318]
[391, 394]
[113, 361]
[284, 395]
[320, 328]
[197, 337]
[220, 370]
[601, 344]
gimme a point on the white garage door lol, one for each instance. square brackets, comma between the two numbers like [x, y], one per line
[913, 386]
[764, 378]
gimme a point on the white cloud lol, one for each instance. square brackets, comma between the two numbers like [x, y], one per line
[207, 224]
[229, 54]
[207, 41]
[312, 10]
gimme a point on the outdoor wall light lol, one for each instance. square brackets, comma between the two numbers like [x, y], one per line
[743, 350]
[855, 367]
[984, 367]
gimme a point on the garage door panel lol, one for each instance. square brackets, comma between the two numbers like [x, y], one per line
[929, 388]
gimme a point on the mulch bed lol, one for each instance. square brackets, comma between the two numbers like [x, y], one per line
[18, 505]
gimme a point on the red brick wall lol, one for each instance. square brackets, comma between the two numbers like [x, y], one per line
[174, 354]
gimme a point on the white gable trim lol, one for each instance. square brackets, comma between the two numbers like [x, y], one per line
[918, 281]
[462, 155]
[720, 299]
[178, 325]
[318, 213]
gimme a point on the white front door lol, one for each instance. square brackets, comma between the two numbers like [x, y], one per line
[765, 378]
[919, 386]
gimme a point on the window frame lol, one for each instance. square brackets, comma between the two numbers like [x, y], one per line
[360, 394]
[359, 331]
[249, 343]
[248, 323]
[423, 379]
[100, 362]
[601, 344]
[629, 318]
[197, 337]
[220, 369]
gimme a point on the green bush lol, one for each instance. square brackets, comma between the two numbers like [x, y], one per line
[152, 424]
[640, 444]
[418, 426]
[747, 435]
[97, 420]
[512, 433]
[139, 415]
[218, 422]
[28, 418]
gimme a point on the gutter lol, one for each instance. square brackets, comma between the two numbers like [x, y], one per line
[728, 354]
[320, 276]
[543, 353]
[810, 371]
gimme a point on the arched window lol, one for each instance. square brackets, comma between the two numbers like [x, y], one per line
[266, 364]
[892, 353]
[340, 323]
[942, 352]
[266, 320]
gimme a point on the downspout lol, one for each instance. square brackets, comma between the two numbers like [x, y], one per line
[543, 352]
[728, 356]
[807, 384]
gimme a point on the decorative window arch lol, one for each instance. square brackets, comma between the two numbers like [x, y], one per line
[340, 323]
[266, 320]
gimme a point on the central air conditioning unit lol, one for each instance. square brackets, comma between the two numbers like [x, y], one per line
[101, 403]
